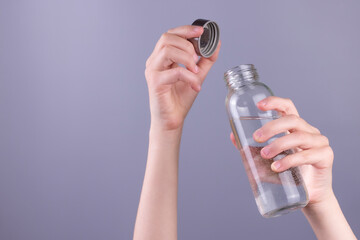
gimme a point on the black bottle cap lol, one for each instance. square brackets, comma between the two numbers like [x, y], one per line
[206, 44]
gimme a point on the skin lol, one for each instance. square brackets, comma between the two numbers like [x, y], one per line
[172, 91]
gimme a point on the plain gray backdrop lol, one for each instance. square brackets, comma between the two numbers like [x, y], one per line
[74, 115]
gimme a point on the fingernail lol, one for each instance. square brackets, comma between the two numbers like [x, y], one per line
[196, 69]
[197, 29]
[196, 58]
[258, 134]
[276, 165]
[265, 151]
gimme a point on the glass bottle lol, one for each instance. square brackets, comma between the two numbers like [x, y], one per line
[275, 193]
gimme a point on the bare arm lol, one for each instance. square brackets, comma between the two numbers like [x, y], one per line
[328, 221]
[172, 91]
[157, 213]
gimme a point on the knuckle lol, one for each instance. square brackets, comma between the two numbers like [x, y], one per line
[328, 159]
[288, 105]
[166, 50]
[289, 102]
[147, 63]
[146, 73]
[306, 155]
[302, 136]
[178, 72]
[165, 54]
[294, 118]
[326, 140]
[300, 121]
[189, 60]
[164, 37]
[189, 47]
[316, 130]
[330, 152]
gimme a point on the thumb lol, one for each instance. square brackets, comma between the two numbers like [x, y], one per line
[187, 31]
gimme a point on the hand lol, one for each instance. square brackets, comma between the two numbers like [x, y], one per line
[312, 151]
[172, 88]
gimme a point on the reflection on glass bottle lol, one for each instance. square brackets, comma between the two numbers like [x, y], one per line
[275, 193]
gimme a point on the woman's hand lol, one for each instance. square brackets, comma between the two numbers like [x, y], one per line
[314, 156]
[312, 151]
[172, 88]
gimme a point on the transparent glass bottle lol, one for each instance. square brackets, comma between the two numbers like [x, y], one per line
[275, 193]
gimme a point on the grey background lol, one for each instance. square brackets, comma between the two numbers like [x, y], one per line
[74, 114]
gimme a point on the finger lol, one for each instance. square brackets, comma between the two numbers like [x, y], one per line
[286, 123]
[173, 75]
[232, 138]
[169, 39]
[318, 157]
[169, 55]
[184, 32]
[283, 105]
[303, 140]
[187, 31]
[205, 64]
[201, 74]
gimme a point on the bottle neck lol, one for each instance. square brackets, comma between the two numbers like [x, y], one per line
[241, 75]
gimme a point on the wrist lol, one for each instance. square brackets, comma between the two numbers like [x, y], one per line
[162, 137]
[327, 220]
[167, 123]
[158, 130]
[163, 127]
[321, 207]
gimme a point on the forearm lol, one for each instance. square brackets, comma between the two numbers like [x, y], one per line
[157, 213]
[328, 221]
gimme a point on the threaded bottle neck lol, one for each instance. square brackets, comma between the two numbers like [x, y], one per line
[240, 75]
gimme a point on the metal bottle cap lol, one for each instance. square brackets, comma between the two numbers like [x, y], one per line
[206, 44]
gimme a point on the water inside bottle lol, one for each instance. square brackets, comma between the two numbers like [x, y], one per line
[275, 193]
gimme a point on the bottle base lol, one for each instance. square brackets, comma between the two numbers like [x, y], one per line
[284, 210]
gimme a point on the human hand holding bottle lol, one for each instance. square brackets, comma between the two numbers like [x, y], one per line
[315, 157]
[312, 150]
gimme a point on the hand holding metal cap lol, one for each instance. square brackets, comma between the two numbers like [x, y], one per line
[206, 44]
